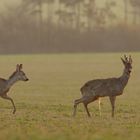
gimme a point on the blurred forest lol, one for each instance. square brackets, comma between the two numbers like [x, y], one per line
[55, 26]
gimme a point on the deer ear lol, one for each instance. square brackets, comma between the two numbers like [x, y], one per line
[17, 67]
[20, 66]
[123, 60]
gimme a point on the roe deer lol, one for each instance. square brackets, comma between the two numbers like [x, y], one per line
[5, 85]
[111, 87]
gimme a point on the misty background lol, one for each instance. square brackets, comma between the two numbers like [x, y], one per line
[56, 26]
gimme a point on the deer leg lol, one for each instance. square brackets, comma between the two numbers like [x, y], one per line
[99, 101]
[8, 98]
[112, 100]
[85, 105]
[76, 102]
[87, 101]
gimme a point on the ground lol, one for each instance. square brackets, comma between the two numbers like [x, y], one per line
[45, 103]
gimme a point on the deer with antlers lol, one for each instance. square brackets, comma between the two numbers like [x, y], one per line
[5, 85]
[111, 87]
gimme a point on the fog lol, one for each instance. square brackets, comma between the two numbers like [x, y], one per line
[58, 26]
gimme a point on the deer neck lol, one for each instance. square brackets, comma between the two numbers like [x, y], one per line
[11, 81]
[124, 78]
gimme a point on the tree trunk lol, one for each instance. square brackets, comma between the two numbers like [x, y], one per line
[125, 11]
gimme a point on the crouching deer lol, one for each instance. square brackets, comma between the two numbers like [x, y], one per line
[111, 87]
[5, 85]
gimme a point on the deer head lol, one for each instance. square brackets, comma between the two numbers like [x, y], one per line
[19, 74]
[127, 63]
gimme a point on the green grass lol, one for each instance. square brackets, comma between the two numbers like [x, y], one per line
[45, 103]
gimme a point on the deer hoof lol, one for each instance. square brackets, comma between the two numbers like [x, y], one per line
[14, 111]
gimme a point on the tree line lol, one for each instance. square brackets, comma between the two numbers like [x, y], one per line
[44, 26]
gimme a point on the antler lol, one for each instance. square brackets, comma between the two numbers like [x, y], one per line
[126, 58]
[130, 59]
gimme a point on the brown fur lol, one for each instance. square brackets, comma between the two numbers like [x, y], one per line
[111, 87]
[5, 85]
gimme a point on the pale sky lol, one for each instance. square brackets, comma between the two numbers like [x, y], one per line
[3, 3]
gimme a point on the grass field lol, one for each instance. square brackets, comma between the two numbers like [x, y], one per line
[45, 103]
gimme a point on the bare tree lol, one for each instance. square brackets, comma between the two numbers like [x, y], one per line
[136, 10]
[125, 11]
